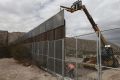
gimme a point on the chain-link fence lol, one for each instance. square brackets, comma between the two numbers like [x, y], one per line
[81, 52]
[110, 55]
[83, 57]
[94, 57]
[74, 57]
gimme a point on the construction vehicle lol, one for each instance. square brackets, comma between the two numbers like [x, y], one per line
[107, 57]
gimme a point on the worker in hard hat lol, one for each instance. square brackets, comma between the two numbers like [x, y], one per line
[70, 70]
[76, 5]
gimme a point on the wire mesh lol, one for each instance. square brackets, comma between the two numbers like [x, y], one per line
[110, 55]
[49, 55]
[81, 54]
[91, 60]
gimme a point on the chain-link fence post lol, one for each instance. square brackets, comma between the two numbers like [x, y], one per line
[47, 54]
[99, 57]
[76, 61]
[63, 57]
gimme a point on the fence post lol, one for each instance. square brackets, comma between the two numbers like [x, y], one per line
[54, 55]
[76, 61]
[47, 54]
[99, 65]
[63, 57]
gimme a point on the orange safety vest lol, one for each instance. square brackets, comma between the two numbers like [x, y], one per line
[71, 66]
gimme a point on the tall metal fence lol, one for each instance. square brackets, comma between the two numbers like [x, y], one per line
[93, 60]
[49, 55]
[85, 52]
[51, 29]
[82, 52]
[55, 56]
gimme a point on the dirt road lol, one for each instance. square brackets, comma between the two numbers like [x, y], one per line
[11, 70]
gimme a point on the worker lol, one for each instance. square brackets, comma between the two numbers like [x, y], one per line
[70, 70]
[76, 5]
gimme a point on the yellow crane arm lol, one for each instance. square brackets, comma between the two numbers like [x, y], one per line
[94, 25]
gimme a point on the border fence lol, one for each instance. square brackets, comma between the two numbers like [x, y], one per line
[83, 51]
[49, 55]
[80, 57]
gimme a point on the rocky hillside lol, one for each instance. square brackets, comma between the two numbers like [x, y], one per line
[88, 46]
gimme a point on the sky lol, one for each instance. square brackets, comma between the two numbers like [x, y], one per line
[24, 15]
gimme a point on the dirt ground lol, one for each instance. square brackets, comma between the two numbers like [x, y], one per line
[11, 70]
[110, 74]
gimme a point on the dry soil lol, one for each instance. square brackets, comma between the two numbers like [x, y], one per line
[11, 70]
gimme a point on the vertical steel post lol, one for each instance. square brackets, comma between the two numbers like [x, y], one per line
[47, 54]
[42, 53]
[63, 57]
[76, 61]
[99, 57]
[32, 50]
[38, 51]
[54, 55]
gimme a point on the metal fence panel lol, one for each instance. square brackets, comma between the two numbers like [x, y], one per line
[51, 64]
[70, 48]
[87, 56]
[59, 32]
[45, 48]
[51, 49]
[51, 35]
[52, 23]
[58, 66]
[42, 37]
[41, 48]
[49, 24]
[43, 52]
[40, 60]
[110, 68]
[81, 51]
[42, 28]
[58, 19]
[58, 49]
[44, 61]
[37, 51]
[37, 30]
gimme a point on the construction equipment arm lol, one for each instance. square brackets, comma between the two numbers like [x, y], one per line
[107, 50]
[94, 25]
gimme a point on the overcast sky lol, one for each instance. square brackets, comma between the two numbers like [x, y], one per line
[24, 15]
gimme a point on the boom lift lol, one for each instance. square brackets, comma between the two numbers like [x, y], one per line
[107, 56]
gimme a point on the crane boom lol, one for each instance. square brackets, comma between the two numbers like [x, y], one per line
[107, 50]
[94, 25]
